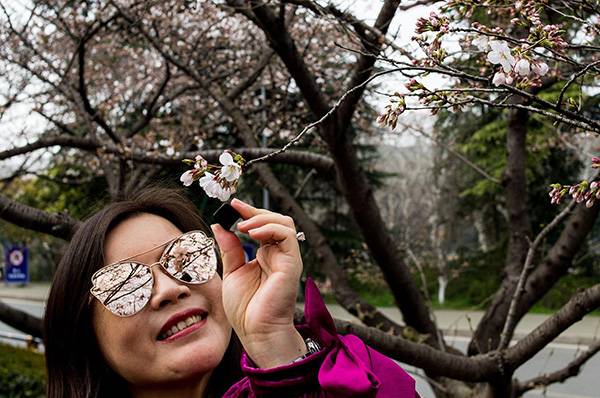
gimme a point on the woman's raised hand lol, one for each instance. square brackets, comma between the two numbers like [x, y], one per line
[259, 296]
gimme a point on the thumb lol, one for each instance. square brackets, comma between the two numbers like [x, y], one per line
[232, 253]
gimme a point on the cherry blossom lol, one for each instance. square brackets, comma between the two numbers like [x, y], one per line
[500, 54]
[539, 68]
[481, 42]
[231, 170]
[217, 181]
[501, 78]
[187, 178]
[522, 67]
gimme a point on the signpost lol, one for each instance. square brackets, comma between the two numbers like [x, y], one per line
[16, 264]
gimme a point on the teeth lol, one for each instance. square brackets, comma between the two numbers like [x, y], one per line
[180, 326]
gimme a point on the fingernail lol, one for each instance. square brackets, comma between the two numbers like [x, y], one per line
[242, 223]
[239, 202]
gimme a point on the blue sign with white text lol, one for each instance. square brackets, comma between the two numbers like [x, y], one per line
[16, 270]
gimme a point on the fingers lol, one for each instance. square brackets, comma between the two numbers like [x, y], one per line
[245, 210]
[232, 253]
[284, 236]
[265, 218]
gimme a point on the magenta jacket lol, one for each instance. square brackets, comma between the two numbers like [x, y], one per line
[345, 367]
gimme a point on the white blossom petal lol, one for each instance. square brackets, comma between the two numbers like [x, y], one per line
[226, 158]
[481, 42]
[231, 172]
[187, 178]
[493, 57]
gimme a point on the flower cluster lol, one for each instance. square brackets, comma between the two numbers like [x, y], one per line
[583, 192]
[434, 23]
[549, 36]
[392, 111]
[217, 181]
[512, 68]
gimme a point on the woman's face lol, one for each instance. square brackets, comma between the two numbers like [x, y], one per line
[132, 345]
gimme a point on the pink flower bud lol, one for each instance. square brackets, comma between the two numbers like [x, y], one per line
[522, 67]
[594, 185]
[589, 203]
[499, 78]
[539, 69]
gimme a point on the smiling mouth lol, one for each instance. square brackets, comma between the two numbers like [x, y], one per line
[186, 324]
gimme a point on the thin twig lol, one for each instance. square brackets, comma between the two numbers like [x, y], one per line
[509, 325]
[453, 152]
[312, 125]
[304, 182]
[572, 79]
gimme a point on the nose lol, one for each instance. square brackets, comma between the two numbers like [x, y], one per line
[166, 290]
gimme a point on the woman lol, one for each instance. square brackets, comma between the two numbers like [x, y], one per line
[141, 306]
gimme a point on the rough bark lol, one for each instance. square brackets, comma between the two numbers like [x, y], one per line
[60, 225]
[21, 320]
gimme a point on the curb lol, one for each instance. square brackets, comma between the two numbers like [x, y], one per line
[19, 297]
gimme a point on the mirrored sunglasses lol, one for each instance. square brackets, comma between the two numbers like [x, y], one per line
[125, 287]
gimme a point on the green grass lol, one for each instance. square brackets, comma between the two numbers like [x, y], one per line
[549, 304]
[22, 373]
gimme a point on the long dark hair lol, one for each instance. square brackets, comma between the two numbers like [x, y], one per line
[75, 366]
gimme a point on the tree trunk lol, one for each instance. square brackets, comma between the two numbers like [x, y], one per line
[487, 334]
[443, 282]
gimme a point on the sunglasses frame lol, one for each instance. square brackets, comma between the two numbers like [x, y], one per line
[162, 260]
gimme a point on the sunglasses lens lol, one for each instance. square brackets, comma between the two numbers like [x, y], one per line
[191, 258]
[124, 288]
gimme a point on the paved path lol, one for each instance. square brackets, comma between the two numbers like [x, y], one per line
[462, 323]
[33, 291]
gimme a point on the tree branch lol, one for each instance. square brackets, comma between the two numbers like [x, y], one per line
[579, 305]
[364, 66]
[509, 325]
[559, 376]
[322, 163]
[21, 320]
[60, 225]
[252, 76]
[82, 88]
[149, 111]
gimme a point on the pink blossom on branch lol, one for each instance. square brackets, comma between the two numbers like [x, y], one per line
[501, 54]
[217, 181]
